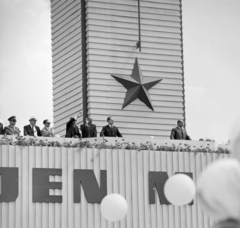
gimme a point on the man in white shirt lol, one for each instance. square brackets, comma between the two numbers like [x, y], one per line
[32, 129]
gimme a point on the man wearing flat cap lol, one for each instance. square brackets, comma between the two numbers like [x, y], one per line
[47, 131]
[88, 129]
[32, 129]
[12, 129]
[72, 130]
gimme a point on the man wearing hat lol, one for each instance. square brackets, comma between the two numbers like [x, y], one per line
[72, 130]
[88, 129]
[47, 131]
[12, 129]
[32, 129]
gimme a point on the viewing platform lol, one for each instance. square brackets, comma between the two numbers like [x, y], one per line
[40, 185]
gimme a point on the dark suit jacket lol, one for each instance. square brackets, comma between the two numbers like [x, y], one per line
[71, 130]
[178, 134]
[1, 129]
[88, 131]
[28, 130]
[108, 132]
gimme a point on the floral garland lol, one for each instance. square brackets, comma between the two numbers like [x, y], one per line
[22, 141]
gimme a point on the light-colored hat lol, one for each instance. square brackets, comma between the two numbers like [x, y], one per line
[32, 118]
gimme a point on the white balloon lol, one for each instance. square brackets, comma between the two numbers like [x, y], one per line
[57, 136]
[114, 207]
[179, 189]
[219, 189]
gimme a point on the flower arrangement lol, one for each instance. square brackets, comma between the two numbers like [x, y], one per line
[22, 141]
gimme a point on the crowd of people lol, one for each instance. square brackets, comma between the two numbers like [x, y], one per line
[86, 130]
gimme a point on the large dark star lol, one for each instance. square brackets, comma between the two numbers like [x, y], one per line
[137, 86]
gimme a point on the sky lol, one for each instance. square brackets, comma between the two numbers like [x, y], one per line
[211, 41]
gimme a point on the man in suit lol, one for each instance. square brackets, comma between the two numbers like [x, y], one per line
[1, 128]
[110, 130]
[179, 132]
[12, 129]
[88, 129]
[47, 131]
[32, 129]
[72, 130]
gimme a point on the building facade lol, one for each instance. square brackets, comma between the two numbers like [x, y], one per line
[95, 39]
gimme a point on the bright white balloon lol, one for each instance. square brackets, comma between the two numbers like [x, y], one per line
[179, 189]
[218, 189]
[57, 136]
[114, 207]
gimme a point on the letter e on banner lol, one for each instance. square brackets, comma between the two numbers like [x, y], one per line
[41, 185]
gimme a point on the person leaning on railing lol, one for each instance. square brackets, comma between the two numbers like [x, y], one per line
[47, 131]
[12, 129]
[179, 132]
[72, 130]
[110, 130]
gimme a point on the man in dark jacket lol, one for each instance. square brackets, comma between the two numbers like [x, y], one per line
[1, 128]
[88, 129]
[179, 132]
[110, 130]
[72, 130]
[32, 129]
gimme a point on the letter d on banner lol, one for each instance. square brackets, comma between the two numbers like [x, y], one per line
[9, 184]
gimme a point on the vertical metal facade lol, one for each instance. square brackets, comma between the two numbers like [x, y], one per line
[127, 174]
[92, 39]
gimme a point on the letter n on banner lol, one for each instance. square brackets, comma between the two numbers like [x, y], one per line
[87, 178]
[9, 184]
[157, 181]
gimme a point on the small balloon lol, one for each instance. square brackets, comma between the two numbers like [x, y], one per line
[219, 189]
[180, 189]
[114, 207]
[57, 136]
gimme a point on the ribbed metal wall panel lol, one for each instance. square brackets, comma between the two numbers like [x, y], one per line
[112, 33]
[127, 174]
[66, 61]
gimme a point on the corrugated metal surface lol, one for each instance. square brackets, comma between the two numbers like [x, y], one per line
[112, 33]
[66, 61]
[127, 174]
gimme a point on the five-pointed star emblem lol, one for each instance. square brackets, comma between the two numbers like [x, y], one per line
[137, 86]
